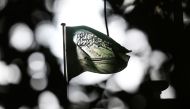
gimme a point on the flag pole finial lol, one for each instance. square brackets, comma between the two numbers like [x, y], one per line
[63, 24]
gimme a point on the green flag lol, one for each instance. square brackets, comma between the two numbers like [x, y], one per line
[90, 50]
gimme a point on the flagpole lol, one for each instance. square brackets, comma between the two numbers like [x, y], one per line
[65, 64]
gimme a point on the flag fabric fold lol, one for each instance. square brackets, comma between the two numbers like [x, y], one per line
[90, 50]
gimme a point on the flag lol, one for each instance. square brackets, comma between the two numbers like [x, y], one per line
[90, 50]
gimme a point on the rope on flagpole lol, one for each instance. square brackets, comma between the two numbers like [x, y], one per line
[105, 17]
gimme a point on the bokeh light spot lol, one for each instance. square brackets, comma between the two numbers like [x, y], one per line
[36, 65]
[21, 37]
[48, 100]
[38, 84]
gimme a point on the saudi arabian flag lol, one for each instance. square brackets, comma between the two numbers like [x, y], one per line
[87, 49]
